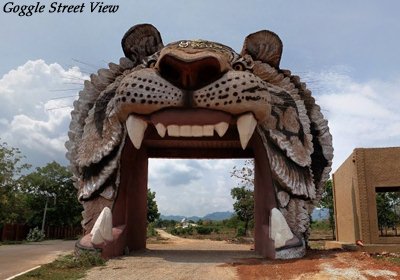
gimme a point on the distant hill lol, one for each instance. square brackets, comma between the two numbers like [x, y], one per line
[216, 216]
[317, 215]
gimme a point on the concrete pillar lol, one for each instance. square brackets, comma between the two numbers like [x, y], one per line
[130, 207]
[264, 200]
[136, 203]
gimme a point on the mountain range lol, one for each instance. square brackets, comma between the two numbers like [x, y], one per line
[317, 215]
[215, 216]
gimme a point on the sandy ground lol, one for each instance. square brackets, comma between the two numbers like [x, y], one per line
[15, 259]
[179, 258]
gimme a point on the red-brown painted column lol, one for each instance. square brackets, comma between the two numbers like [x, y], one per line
[264, 200]
[136, 202]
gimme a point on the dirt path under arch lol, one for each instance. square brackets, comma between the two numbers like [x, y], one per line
[179, 258]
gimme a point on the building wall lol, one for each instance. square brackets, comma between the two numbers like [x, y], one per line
[382, 170]
[344, 183]
[355, 183]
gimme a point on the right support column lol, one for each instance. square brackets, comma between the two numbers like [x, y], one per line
[264, 200]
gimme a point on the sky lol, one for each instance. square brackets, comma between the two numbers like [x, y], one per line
[346, 51]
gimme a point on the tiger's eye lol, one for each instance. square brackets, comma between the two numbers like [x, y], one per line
[151, 63]
[238, 67]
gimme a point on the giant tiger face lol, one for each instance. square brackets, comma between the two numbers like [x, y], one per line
[201, 99]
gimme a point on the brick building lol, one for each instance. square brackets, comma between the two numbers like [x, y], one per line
[366, 176]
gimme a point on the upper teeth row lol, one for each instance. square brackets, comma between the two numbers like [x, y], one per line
[192, 130]
[136, 128]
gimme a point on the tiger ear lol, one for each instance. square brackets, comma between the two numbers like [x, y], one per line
[140, 41]
[265, 46]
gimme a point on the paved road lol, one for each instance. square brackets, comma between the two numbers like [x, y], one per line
[15, 259]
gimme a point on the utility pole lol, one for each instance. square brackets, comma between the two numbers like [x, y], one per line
[44, 214]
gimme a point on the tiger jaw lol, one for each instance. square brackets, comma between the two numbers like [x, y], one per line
[137, 126]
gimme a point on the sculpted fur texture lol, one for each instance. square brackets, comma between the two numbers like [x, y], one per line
[195, 90]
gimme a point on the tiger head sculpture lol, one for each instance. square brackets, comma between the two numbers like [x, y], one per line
[197, 99]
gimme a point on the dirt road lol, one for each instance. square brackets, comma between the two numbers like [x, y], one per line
[179, 258]
[15, 259]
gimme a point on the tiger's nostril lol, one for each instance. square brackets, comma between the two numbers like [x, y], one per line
[190, 75]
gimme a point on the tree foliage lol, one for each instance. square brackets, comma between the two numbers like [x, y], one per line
[327, 202]
[245, 174]
[152, 208]
[12, 201]
[244, 193]
[244, 204]
[386, 204]
[52, 182]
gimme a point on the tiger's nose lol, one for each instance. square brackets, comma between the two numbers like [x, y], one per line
[190, 74]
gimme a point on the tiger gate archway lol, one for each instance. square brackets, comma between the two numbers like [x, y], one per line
[197, 99]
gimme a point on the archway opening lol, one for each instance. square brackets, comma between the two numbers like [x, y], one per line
[192, 187]
[130, 207]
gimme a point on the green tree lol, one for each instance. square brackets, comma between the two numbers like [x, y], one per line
[386, 203]
[152, 208]
[244, 194]
[53, 184]
[243, 205]
[12, 200]
[327, 202]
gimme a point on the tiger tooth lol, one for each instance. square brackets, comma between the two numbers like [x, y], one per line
[161, 129]
[246, 125]
[136, 128]
[208, 130]
[173, 130]
[102, 229]
[221, 128]
[185, 131]
[197, 131]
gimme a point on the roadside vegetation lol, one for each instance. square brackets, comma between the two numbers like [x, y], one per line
[35, 198]
[230, 229]
[65, 267]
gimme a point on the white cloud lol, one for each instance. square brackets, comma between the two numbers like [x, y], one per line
[36, 112]
[360, 114]
[35, 119]
[204, 186]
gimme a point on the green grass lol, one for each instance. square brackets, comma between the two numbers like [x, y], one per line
[320, 225]
[66, 267]
[390, 257]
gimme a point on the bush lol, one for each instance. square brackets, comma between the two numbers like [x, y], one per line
[151, 231]
[321, 225]
[83, 259]
[189, 230]
[233, 222]
[204, 230]
[182, 231]
[35, 235]
[240, 232]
